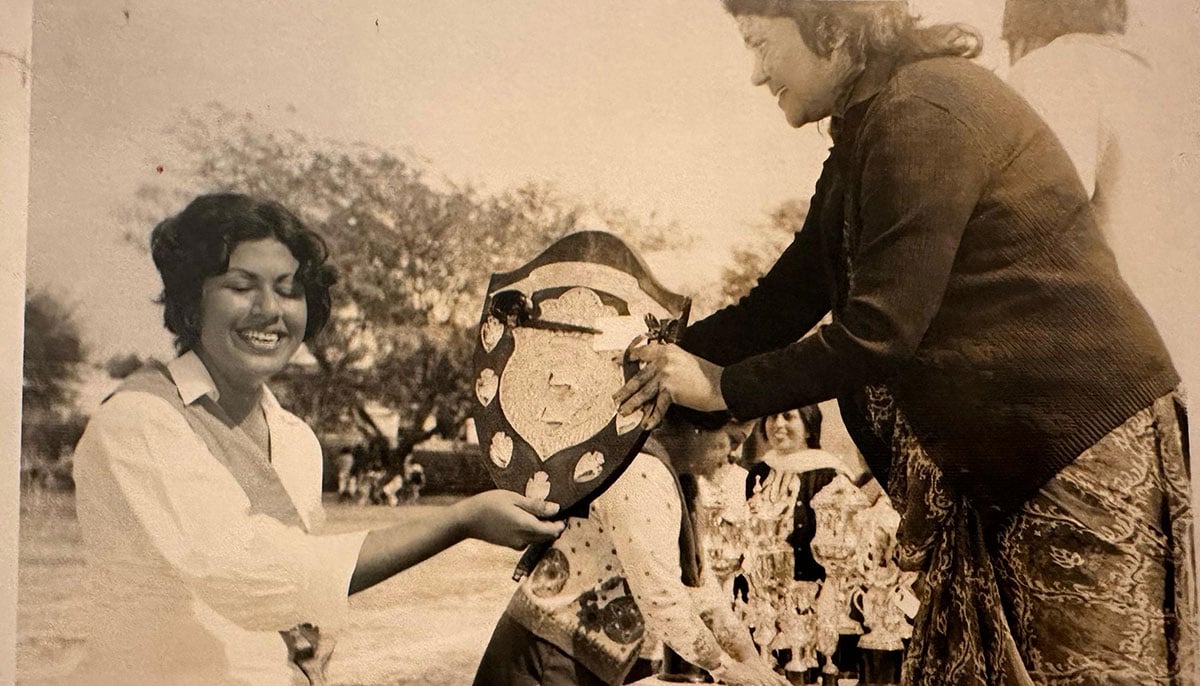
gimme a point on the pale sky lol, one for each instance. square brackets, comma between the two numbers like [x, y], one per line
[646, 104]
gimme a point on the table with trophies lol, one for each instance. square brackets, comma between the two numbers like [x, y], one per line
[864, 592]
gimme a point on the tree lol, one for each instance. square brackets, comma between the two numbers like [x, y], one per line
[54, 354]
[54, 351]
[753, 259]
[414, 255]
[121, 366]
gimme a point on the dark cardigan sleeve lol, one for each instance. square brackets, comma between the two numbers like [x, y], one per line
[785, 303]
[919, 172]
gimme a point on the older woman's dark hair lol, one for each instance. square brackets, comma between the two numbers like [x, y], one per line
[868, 28]
[195, 245]
[1039, 21]
[810, 418]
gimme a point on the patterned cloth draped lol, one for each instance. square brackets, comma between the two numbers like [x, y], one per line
[1091, 582]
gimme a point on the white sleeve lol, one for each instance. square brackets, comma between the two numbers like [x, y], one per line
[642, 511]
[1060, 84]
[139, 455]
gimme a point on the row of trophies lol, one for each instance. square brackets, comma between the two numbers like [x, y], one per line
[864, 592]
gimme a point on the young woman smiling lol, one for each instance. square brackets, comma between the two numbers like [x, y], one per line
[198, 495]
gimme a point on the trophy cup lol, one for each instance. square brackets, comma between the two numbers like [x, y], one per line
[769, 566]
[835, 546]
[883, 580]
[799, 627]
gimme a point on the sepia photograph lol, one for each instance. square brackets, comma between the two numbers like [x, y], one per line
[750, 342]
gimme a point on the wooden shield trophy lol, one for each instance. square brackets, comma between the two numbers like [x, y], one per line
[550, 355]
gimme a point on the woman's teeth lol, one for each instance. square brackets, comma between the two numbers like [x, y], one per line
[260, 339]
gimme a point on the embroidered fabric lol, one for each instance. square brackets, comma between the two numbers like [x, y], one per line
[1091, 582]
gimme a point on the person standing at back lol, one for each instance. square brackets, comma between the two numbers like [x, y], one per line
[1103, 97]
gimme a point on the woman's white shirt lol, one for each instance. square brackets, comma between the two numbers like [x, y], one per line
[187, 584]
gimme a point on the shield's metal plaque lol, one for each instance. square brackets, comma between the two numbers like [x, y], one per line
[549, 356]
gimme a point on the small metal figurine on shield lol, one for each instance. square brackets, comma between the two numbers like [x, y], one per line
[550, 356]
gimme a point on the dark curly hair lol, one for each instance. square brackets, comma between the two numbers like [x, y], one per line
[195, 245]
[868, 28]
[883, 27]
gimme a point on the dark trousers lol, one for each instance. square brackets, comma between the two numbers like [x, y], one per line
[516, 657]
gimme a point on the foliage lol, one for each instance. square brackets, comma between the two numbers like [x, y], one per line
[54, 354]
[754, 258]
[54, 351]
[54, 436]
[121, 366]
[47, 439]
[414, 255]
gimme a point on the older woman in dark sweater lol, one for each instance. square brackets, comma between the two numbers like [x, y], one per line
[990, 363]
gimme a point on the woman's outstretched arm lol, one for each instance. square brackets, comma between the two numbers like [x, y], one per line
[499, 517]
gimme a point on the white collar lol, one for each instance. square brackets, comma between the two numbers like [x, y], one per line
[194, 381]
[192, 378]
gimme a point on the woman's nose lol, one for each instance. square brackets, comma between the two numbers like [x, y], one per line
[267, 303]
[759, 75]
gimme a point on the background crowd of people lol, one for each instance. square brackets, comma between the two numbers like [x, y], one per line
[364, 478]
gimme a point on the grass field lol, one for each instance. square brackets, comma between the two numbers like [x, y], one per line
[427, 626]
